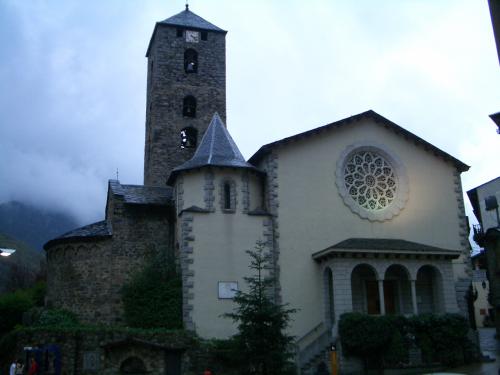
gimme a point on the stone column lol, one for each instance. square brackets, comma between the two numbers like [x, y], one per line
[381, 296]
[414, 296]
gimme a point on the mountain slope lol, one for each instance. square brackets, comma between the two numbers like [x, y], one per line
[33, 225]
[20, 268]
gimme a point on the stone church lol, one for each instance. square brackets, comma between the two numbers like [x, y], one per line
[359, 214]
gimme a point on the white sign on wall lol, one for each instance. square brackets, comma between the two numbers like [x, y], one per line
[227, 289]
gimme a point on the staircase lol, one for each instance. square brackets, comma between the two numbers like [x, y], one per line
[314, 352]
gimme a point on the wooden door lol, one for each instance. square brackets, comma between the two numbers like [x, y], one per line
[390, 296]
[372, 300]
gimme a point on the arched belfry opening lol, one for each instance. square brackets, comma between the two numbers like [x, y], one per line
[189, 106]
[189, 137]
[190, 61]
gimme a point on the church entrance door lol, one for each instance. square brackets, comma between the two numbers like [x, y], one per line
[372, 297]
[390, 296]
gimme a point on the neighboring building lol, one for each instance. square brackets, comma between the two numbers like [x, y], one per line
[358, 215]
[483, 311]
[484, 198]
[496, 119]
[486, 216]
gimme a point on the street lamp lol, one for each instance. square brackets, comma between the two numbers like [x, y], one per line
[6, 252]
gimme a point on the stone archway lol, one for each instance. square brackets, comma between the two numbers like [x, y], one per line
[365, 293]
[429, 286]
[397, 290]
[133, 366]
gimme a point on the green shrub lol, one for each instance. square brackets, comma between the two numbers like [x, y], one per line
[365, 336]
[385, 340]
[56, 317]
[442, 338]
[12, 307]
[38, 292]
[153, 299]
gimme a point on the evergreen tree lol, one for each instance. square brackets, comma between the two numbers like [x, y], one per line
[261, 346]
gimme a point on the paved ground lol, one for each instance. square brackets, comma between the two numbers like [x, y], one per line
[489, 346]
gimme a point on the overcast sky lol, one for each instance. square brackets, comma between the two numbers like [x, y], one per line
[73, 80]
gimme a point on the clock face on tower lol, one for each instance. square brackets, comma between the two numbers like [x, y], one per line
[192, 36]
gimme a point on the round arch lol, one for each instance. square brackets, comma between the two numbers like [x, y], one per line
[133, 366]
[364, 286]
[397, 290]
[429, 287]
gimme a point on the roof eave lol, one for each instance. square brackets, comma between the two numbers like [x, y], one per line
[173, 175]
[178, 26]
[58, 241]
[327, 253]
[462, 167]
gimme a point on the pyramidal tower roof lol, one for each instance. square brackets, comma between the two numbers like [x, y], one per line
[217, 149]
[186, 18]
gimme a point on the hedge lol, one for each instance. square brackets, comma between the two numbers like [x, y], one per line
[384, 341]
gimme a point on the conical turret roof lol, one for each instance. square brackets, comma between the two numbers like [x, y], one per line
[186, 18]
[217, 149]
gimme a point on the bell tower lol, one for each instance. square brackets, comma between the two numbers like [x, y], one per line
[186, 86]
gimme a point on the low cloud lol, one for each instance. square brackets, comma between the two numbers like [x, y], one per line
[73, 74]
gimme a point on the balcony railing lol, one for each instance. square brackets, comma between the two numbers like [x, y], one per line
[478, 234]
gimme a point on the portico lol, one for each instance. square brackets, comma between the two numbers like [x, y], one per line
[386, 276]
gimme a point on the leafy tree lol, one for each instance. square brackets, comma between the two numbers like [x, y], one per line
[153, 298]
[13, 305]
[261, 345]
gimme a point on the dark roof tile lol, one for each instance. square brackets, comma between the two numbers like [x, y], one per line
[87, 232]
[186, 18]
[386, 244]
[383, 245]
[217, 149]
[139, 194]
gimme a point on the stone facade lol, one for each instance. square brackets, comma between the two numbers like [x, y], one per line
[111, 352]
[168, 85]
[86, 275]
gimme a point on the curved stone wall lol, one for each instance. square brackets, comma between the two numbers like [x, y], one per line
[86, 276]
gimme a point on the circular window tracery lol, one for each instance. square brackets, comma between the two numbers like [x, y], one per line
[372, 182]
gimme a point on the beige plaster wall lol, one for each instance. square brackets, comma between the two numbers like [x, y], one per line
[219, 241]
[313, 216]
[192, 186]
[255, 189]
[219, 255]
[481, 303]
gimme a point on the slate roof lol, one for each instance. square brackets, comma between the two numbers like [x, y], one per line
[496, 118]
[185, 19]
[140, 194]
[345, 122]
[217, 149]
[132, 194]
[188, 19]
[88, 232]
[383, 245]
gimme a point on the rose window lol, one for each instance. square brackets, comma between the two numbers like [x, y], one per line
[370, 180]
